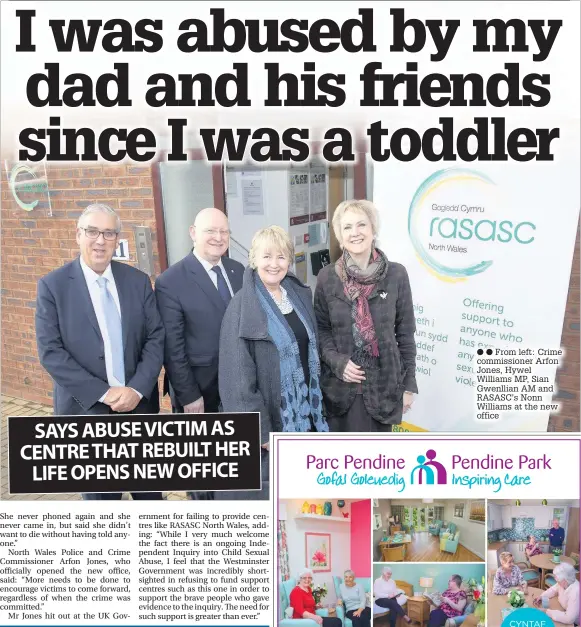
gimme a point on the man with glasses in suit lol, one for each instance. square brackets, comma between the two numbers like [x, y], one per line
[98, 331]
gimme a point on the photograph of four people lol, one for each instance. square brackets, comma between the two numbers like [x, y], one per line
[230, 338]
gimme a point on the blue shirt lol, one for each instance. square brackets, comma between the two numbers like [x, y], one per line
[557, 537]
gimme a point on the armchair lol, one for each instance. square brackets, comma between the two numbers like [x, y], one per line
[285, 589]
[393, 553]
[337, 581]
[449, 543]
[458, 620]
[435, 527]
[409, 529]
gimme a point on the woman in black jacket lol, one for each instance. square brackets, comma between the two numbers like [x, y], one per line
[366, 322]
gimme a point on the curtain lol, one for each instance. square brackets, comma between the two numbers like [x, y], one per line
[398, 510]
[283, 551]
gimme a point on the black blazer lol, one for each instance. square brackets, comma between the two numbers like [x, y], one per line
[70, 345]
[192, 310]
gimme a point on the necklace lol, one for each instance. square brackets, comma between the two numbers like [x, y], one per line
[284, 305]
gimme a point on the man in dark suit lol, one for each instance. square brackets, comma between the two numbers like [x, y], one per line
[192, 296]
[98, 331]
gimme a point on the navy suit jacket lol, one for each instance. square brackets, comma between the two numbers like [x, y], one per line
[192, 309]
[70, 345]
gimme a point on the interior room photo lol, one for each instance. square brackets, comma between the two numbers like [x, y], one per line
[535, 536]
[511, 525]
[429, 530]
[421, 586]
[327, 537]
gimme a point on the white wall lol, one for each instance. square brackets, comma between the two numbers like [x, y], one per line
[417, 503]
[186, 189]
[340, 540]
[276, 211]
[472, 534]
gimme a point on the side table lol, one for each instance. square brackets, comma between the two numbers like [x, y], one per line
[418, 609]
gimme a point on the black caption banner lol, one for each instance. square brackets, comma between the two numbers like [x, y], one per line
[134, 453]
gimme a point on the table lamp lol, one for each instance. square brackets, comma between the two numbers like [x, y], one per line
[426, 582]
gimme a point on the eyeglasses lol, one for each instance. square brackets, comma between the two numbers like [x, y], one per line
[214, 232]
[92, 233]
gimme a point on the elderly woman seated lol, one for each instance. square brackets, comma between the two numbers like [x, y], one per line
[353, 599]
[303, 602]
[532, 547]
[508, 575]
[386, 594]
[567, 591]
[453, 603]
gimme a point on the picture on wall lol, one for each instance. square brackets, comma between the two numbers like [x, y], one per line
[477, 512]
[318, 552]
[459, 510]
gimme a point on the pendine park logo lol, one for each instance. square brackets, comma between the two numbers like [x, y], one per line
[429, 471]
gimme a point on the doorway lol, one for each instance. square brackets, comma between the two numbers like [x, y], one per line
[420, 518]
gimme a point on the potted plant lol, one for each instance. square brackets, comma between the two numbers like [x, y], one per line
[516, 598]
[557, 555]
[319, 592]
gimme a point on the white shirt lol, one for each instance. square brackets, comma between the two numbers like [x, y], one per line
[569, 599]
[213, 276]
[384, 589]
[91, 278]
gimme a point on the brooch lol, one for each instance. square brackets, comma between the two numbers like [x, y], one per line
[383, 294]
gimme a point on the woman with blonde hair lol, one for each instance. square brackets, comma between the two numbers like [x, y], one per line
[269, 361]
[508, 575]
[366, 326]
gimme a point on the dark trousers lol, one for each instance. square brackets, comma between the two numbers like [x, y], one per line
[332, 621]
[360, 621]
[116, 496]
[395, 609]
[356, 419]
[437, 618]
[211, 406]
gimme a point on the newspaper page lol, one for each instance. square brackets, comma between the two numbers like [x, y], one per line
[214, 411]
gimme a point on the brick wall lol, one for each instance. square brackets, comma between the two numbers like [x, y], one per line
[33, 243]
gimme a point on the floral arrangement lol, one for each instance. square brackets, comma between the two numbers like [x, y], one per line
[479, 595]
[319, 592]
[557, 551]
[516, 598]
